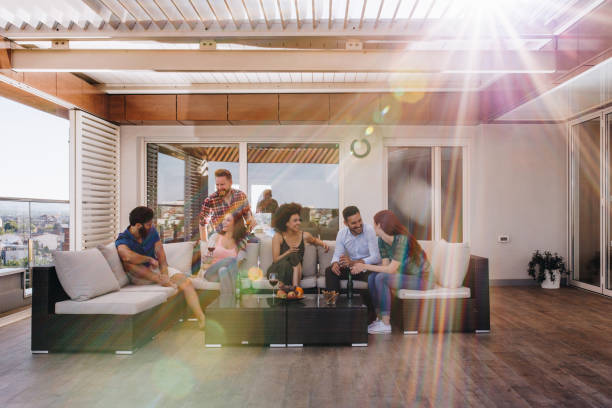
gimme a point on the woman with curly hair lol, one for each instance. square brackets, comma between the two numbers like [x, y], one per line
[288, 244]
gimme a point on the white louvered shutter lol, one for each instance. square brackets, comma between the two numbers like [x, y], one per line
[96, 181]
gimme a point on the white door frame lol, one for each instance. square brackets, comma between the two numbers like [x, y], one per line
[573, 244]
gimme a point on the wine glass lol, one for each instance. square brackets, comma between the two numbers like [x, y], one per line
[273, 279]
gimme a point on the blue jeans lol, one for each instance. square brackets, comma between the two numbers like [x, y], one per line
[380, 285]
[225, 272]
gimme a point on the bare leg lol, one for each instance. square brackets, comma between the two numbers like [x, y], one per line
[191, 297]
[297, 274]
[141, 271]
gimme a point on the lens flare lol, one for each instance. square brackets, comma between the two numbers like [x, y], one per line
[369, 130]
[385, 110]
[173, 378]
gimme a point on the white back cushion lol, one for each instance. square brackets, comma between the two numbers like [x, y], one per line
[455, 265]
[449, 262]
[265, 253]
[179, 255]
[325, 258]
[252, 250]
[112, 257]
[309, 265]
[84, 274]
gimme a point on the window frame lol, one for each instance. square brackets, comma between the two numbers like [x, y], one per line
[436, 144]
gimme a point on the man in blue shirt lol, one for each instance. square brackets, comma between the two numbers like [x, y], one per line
[144, 260]
[357, 243]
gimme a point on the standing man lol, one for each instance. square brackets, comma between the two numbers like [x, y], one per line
[224, 201]
[144, 259]
[267, 204]
[357, 243]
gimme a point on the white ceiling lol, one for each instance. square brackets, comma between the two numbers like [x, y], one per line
[403, 26]
[590, 89]
[36, 18]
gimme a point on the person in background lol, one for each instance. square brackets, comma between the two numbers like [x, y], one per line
[224, 201]
[404, 266]
[228, 253]
[356, 243]
[288, 244]
[144, 260]
[267, 203]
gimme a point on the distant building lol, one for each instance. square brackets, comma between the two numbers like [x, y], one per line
[51, 241]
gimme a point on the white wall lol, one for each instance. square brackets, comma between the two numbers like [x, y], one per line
[517, 180]
[519, 188]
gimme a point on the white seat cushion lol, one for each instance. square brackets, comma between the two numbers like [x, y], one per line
[309, 282]
[168, 290]
[203, 284]
[436, 293]
[116, 303]
[261, 284]
[357, 284]
[180, 255]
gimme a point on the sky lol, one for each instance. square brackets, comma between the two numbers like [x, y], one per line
[34, 153]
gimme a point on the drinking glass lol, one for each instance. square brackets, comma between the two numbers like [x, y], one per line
[273, 279]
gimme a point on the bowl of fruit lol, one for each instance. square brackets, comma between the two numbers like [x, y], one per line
[290, 293]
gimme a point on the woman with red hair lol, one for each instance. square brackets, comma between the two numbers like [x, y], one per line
[404, 266]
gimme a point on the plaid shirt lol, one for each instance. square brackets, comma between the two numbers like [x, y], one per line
[215, 207]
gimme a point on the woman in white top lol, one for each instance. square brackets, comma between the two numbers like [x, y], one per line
[229, 252]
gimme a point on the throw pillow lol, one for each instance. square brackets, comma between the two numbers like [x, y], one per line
[112, 257]
[84, 274]
[180, 255]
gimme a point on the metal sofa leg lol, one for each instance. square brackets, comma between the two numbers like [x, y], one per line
[124, 352]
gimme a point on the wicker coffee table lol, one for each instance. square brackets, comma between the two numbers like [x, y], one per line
[263, 320]
[313, 322]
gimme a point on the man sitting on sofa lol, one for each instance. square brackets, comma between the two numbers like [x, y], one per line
[144, 259]
[357, 243]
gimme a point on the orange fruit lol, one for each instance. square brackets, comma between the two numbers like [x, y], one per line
[299, 291]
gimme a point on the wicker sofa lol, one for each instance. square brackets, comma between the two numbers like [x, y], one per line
[120, 320]
[127, 318]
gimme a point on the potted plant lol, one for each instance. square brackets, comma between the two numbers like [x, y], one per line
[546, 269]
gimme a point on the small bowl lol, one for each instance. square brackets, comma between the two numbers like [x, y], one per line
[330, 297]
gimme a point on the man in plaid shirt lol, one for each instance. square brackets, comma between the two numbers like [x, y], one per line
[224, 200]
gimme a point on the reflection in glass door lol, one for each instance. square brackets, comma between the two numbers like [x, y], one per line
[608, 278]
[586, 196]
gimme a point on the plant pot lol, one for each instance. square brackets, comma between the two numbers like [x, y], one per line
[548, 284]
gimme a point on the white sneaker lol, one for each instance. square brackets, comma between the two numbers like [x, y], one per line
[374, 323]
[379, 328]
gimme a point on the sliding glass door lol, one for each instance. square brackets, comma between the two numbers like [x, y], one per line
[586, 198]
[607, 284]
[591, 202]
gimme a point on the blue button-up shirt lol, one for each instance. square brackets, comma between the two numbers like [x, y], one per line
[363, 246]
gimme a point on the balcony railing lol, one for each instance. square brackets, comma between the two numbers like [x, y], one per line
[30, 230]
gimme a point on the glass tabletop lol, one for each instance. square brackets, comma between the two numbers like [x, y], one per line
[317, 301]
[251, 301]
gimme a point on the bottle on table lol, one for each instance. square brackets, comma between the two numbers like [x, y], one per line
[349, 286]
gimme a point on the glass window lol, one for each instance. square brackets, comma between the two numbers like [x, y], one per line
[410, 188]
[179, 178]
[452, 193]
[303, 173]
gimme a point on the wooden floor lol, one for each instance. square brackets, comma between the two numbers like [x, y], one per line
[547, 348]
